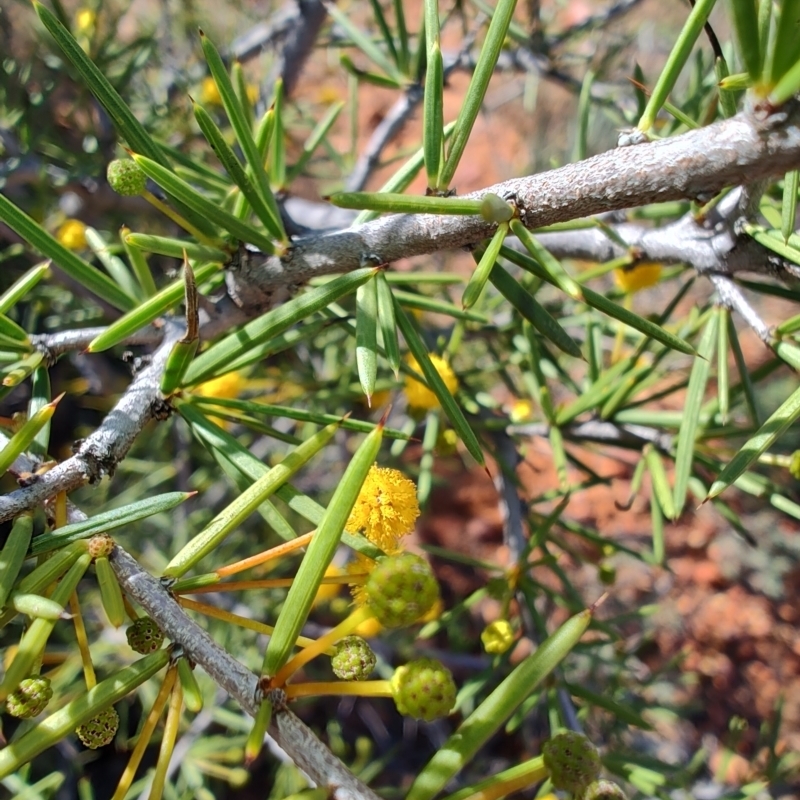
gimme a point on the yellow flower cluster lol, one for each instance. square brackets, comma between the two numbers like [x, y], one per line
[229, 385]
[210, 96]
[420, 396]
[637, 278]
[385, 511]
[85, 19]
[386, 508]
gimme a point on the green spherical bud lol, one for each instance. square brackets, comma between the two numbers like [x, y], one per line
[424, 689]
[573, 761]
[100, 544]
[603, 790]
[100, 730]
[125, 177]
[794, 465]
[401, 589]
[144, 636]
[607, 573]
[354, 659]
[29, 698]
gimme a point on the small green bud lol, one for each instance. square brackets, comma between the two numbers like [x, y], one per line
[573, 761]
[100, 730]
[424, 689]
[29, 698]
[125, 177]
[607, 573]
[101, 544]
[401, 589]
[603, 790]
[144, 636]
[495, 209]
[354, 659]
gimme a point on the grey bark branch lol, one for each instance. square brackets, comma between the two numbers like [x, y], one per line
[603, 432]
[299, 741]
[742, 149]
[300, 40]
[100, 452]
[54, 345]
[389, 127]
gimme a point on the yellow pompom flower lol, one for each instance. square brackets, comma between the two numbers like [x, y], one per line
[369, 628]
[72, 234]
[497, 637]
[521, 411]
[229, 385]
[638, 277]
[420, 396]
[209, 93]
[386, 508]
[85, 19]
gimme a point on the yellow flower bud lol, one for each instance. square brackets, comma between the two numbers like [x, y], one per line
[497, 637]
[209, 93]
[85, 19]
[638, 277]
[228, 385]
[521, 411]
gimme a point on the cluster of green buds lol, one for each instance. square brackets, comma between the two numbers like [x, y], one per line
[574, 766]
[401, 589]
[126, 178]
[354, 659]
[144, 636]
[424, 689]
[100, 730]
[30, 698]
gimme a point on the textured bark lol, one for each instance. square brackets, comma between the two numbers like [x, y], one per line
[299, 741]
[696, 165]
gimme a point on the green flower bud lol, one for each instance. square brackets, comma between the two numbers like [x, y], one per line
[401, 589]
[603, 790]
[495, 209]
[144, 636]
[100, 544]
[424, 689]
[794, 465]
[100, 730]
[29, 698]
[125, 177]
[573, 761]
[354, 659]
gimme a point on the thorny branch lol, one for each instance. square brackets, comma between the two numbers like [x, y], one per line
[305, 749]
[697, 164]
[100, 453]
